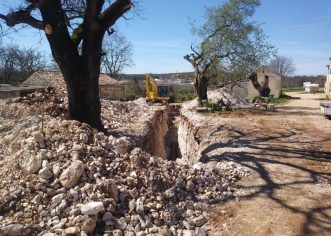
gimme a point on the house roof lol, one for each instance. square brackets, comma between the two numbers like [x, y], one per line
[55, 79]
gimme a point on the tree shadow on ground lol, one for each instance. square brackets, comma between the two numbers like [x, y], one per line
[258, 152]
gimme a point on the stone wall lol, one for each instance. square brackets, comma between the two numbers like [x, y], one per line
[112, 92]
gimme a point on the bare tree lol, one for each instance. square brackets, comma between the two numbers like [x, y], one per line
[17, 64]
[70, 25]
[117, 54]
[282, 65]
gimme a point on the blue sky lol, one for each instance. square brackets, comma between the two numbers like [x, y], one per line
[161, 36]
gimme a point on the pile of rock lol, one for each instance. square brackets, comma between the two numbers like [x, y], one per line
[73, 179]
[224, 97]
[115, 113]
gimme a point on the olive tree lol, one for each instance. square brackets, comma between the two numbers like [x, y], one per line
[75, 30]
[230, 39]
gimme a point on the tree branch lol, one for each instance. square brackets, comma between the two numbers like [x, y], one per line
[22, 17]
[114, 12]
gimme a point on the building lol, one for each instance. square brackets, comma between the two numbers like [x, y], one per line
[247, 90]
[109, 88]
[9, 91]
[327, 86]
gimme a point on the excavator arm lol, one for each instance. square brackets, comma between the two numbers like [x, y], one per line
[151, 87]
[152, 90]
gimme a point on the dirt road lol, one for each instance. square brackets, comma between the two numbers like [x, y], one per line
[289, 155]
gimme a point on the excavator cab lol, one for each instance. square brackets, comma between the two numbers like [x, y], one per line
[155, 92]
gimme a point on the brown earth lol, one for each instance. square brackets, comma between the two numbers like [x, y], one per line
[289, 155]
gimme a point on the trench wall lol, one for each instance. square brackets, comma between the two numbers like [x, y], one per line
[158, 129]
[189, 140]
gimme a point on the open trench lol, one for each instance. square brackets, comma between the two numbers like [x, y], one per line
[172, 136]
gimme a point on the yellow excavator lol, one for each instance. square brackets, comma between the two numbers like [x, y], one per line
[155, 92]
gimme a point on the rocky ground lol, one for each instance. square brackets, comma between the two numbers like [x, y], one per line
[61, 177]
[288, 153]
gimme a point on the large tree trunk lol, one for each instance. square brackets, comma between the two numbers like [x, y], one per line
[83, 95]
[201, 85]
[81, 72]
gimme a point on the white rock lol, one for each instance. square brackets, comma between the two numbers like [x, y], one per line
[92, 208]
[188, 233]
[72, 230]
[32, 164]
[63, 204]
[123, 145]
[140, 206]
[198, 166]
[58, 198]
[45, 173]
[61, 150]
[46, 164]
[71, 175]
[200, 232]
[12, 230]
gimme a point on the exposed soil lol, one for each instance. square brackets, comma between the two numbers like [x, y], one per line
[289, 155]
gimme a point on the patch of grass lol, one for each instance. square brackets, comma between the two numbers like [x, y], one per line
[293, 89]
[282, 99]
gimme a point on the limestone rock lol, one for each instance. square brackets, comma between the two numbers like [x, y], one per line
[12, 230]
[92, 208]
[32, 164]
[88, 225]
[123, 145]
[72, 230]
[189, 233]
[140, 206]
[71, 175]
[58, 198]
[45, 173]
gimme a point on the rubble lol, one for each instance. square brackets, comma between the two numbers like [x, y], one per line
[62, 177]
[224, 97]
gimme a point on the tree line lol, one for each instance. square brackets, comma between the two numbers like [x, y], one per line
[18, 63]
